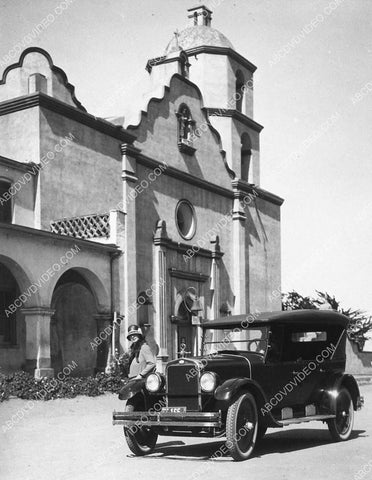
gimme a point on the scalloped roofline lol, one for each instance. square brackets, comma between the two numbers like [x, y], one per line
[166, 89]
[53, 68]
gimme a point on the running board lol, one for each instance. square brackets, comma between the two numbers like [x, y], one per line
[290, 421]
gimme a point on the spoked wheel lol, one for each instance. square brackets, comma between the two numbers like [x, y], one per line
[141, 440]
[241, 427]
[342, 426]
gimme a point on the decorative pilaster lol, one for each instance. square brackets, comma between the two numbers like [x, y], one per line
[117, 227]
[160, 277]
[37, 321]
[239, 255]
[215, 276]
[130, 193]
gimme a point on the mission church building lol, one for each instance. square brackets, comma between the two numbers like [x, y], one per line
[163, 221]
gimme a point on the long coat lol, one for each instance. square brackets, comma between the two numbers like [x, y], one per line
[144, 364]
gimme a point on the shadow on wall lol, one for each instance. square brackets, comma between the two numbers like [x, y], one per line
[227, 294]
[74, 327]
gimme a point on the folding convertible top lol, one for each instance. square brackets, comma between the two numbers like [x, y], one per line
[296, 317]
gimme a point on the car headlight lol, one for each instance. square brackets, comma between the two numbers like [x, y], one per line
[208, 381]
[154, 382]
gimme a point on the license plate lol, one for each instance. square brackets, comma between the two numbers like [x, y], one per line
[174, 409]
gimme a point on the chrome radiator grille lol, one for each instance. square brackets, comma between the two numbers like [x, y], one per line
[183, 386]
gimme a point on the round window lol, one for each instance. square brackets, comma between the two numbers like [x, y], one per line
[185, 219]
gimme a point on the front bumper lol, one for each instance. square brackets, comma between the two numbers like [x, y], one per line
[168, 419]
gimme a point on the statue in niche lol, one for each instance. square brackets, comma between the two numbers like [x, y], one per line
[185, 124]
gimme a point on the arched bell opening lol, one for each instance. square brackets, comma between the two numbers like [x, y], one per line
[245, 157]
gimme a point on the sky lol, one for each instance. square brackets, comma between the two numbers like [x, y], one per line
[313, 94]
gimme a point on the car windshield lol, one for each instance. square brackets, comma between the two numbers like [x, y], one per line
[235, 338]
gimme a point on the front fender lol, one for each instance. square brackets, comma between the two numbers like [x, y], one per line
[227, 393]
[131, 388]
[228, 390]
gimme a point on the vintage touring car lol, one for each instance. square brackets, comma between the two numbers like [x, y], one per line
[256, 371]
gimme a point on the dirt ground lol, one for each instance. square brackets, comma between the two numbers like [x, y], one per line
[75, 439]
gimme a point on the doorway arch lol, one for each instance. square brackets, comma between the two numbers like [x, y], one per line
[73, 325]
[12, 331]
[15, 282]
[185, 332]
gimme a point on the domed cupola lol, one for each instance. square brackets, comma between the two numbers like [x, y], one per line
[199, 33]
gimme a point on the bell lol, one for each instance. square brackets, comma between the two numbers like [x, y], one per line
[196, 306]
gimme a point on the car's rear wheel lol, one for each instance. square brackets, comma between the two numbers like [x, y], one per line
[342, 426]
[242, 427]
[141, 440]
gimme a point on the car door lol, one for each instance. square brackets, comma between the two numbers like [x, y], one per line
[314, 349]
[291, 373]
[276, 374]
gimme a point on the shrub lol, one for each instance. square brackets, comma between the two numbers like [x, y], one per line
[24, 385]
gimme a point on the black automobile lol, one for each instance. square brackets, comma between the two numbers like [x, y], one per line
[256, 371]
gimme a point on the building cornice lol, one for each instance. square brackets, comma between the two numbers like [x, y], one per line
[193, 276]
[54, 237]
[152, 62]
[183, 248]
[128, 149]
[23, 167]
[203, 49]
[38, 311]
[205, 185]
[222, 51]
[225, 112]
[254, 191]
[80, 116]
[184, 176]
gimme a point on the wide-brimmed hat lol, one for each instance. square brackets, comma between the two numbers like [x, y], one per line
[134, 330]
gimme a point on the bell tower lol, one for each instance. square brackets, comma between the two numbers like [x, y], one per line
[225, 78]
[204, 56]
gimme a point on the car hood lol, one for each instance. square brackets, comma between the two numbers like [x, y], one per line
[225, 365]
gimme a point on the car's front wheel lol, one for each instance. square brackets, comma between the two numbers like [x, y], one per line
[241, 427]
[342, 426]
[141, 440]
